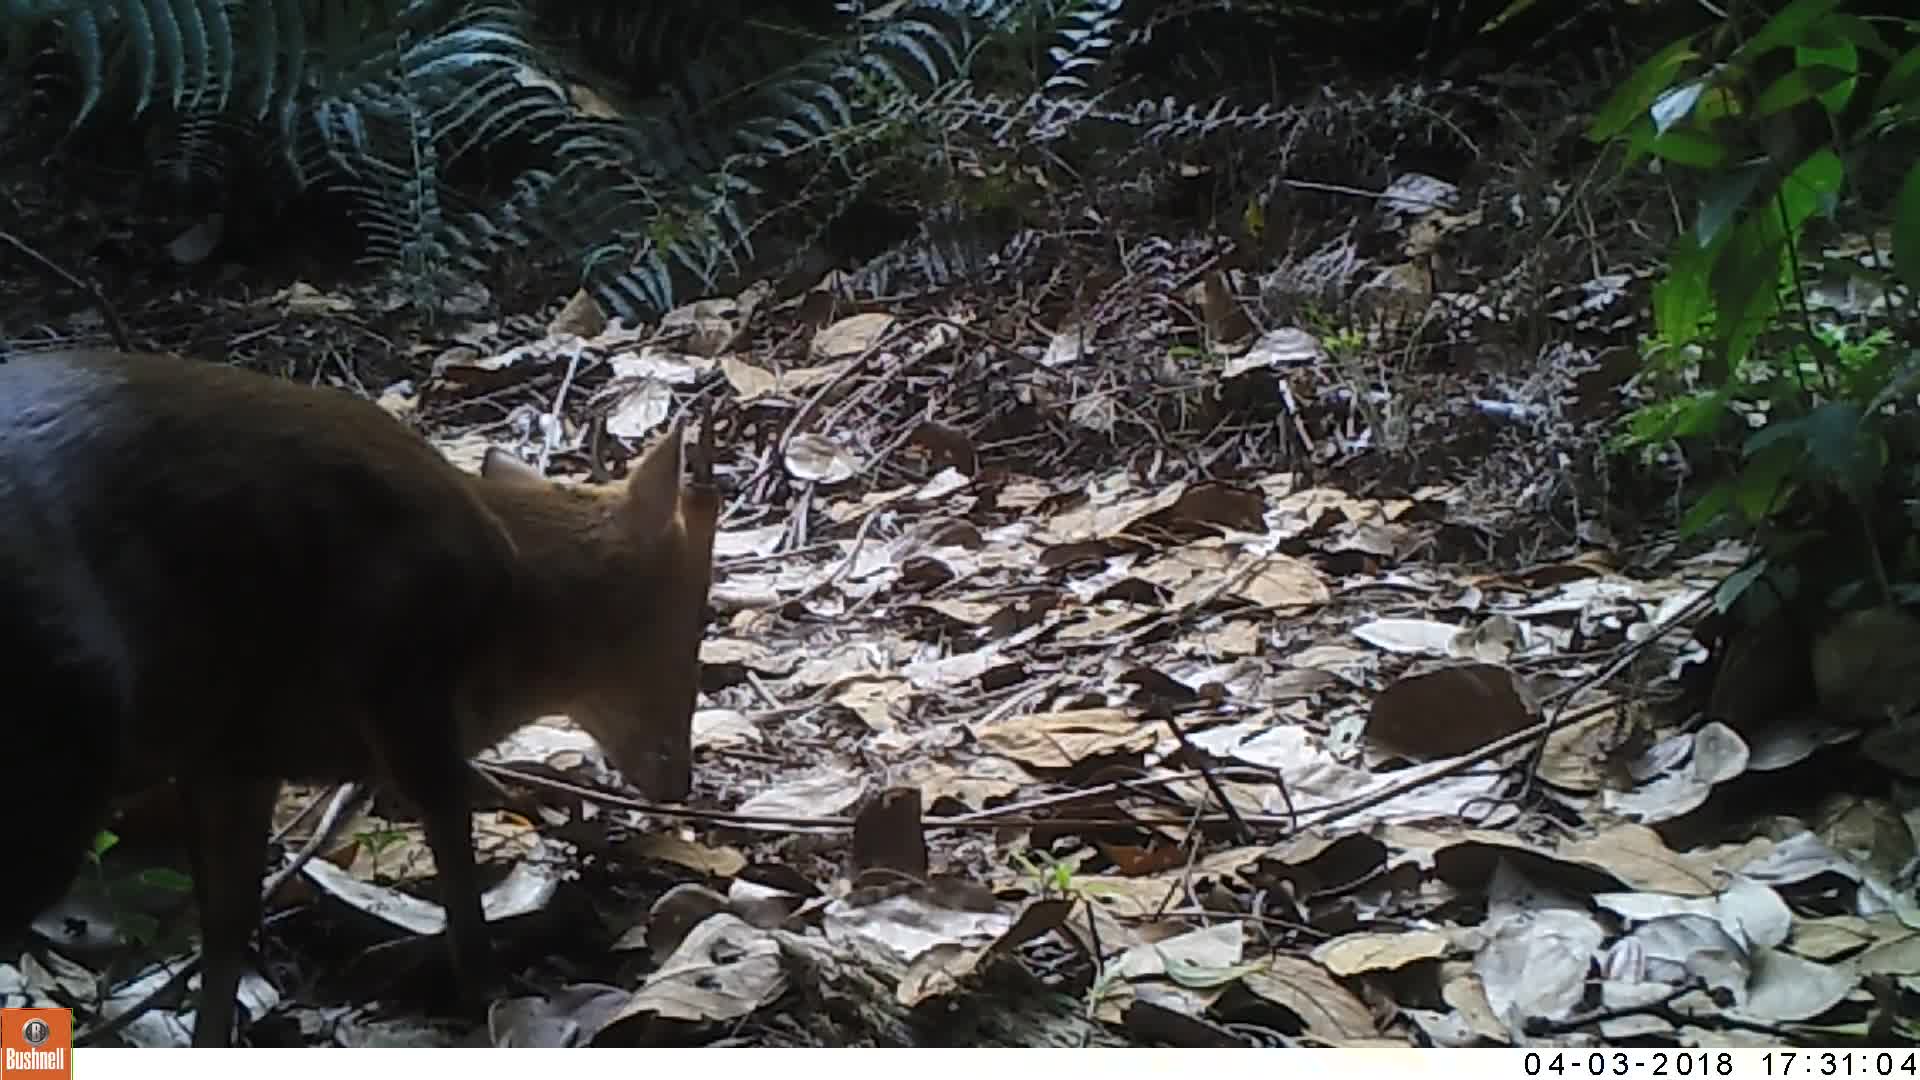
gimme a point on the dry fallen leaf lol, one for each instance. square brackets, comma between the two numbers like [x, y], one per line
[1357, 954]
[1060, 740]
[852, 336]
[819, 459]
[641, 410]
[825, 792]
[1327, 1009]
[1535, 965]
[723, 970]
[1278, 349]
[1451, 711]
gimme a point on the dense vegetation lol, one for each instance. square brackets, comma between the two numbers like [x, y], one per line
[664, 150]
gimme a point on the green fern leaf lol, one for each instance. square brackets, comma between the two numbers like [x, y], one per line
[218, 31]
[192, 22]
[266, 50]
[292, 21]
[169, 49]
[140, 29]
[83, 34]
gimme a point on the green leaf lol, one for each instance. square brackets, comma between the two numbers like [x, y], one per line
[1845, 595]
[1636, 95]
[1662, 421]
[1686, 301]
[1792, 26]
[1736, 583]
[1782, 583]
[1902, 81]
[1745, 283]
[193, 31]
[220, 50]
[1727, 193]
[1703, 514]
[1778, 433]
[1701, 416]
[1804, 84]
[1812, 187]
[1746, 277]
[1835, 56]
[266, 47]
[1840, 448]
[165, 880]
[1807, 357]
[1856, 31]
[1763, 481]
[139, 27]
[1902, 375]
[1906, 229]
[171, 51]
[1682, 146]
[103, 842]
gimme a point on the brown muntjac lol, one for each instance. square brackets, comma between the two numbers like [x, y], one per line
[234, 581]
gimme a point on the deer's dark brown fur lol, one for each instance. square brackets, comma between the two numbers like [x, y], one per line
[235, 581]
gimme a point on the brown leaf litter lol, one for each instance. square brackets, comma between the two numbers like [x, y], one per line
[1206, 739]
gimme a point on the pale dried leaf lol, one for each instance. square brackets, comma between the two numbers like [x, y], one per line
[824, 792]
[1717, 754]
[1065, 347]
[1409, 637]
[641, 410]
[671, 847]
[907, 925]
[660, 364]
[1357, 954]
[1058, 740]
[1278, 349]
[1787, 988]
[852, 336]
[724, 970]
[819, 459]
[1535, 965]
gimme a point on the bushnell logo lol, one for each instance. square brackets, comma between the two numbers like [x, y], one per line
[35, 1031]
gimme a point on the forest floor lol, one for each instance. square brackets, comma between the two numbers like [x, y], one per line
[1176, 647]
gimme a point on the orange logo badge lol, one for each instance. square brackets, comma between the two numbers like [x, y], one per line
[36, 1044]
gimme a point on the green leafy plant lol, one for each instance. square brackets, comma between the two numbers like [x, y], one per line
[1342, 341]
[377, 841]
[103, 842]
[1344, 344]
[132, 926]
[1053, 877]
[1782, 122]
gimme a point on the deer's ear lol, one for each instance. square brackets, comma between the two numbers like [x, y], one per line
[653, 488]
[504, 467]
